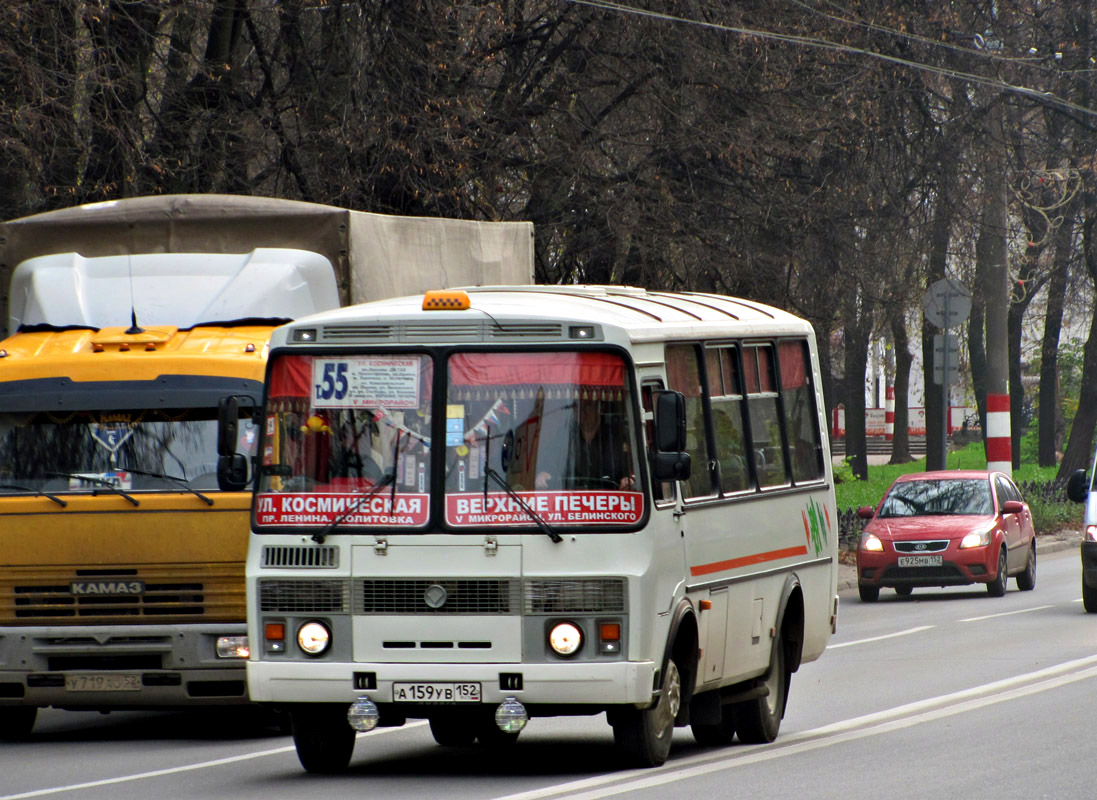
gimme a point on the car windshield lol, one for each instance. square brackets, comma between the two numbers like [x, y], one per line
[131, 449]
[938, 497]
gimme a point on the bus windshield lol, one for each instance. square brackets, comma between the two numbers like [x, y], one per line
[554, 428]
[131, 449]
[530, 439]
[347, 442]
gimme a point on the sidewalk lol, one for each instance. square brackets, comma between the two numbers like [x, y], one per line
[1045, 543]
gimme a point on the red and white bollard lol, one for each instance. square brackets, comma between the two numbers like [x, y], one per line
[999, 446]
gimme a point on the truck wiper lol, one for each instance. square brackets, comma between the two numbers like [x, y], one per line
[35, 492]
[176, 479]
[97, 481]
[513, 495]
[322, 534]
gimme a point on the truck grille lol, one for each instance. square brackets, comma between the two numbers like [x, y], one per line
[179, 593]
[574, 596]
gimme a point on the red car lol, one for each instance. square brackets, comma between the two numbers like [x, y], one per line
[947, 528]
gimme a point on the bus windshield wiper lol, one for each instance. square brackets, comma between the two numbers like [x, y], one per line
[513, 495]
[174, 478]
[98, 482]
[389, 478]
[35, 492]
[322, 534]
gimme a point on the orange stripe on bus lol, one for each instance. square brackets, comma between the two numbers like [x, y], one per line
[757, 558]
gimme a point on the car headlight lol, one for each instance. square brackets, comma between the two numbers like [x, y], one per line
[565, 638]
[975, 539]
[871, 542]
[314, 638]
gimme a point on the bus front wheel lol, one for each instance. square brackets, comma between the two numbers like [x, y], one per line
[644, 736]
[323, 737]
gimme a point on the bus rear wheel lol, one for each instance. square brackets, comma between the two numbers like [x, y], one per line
[644, 736]
[323, 738]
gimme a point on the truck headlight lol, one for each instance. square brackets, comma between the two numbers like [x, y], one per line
[314, 637]
[233, 647]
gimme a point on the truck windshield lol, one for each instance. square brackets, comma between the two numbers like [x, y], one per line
[336, 427]
[557, 427]
[132, 449]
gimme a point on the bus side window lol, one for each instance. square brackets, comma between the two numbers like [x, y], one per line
[801, 416]
[684, 375]
[662, 491]
[727, 419]
[765, 422]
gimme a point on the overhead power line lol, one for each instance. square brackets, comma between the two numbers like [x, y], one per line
[1048, 98]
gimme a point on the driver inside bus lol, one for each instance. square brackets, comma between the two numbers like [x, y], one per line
[597, 454]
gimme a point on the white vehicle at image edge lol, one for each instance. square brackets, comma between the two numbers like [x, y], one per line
[483, 506]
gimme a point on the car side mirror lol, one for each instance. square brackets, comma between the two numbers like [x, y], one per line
[1013, 507]
[1077, 486]
[866, 512]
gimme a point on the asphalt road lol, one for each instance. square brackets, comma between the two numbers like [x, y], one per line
[946, 693]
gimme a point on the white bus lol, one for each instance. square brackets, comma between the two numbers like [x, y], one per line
[479, 507]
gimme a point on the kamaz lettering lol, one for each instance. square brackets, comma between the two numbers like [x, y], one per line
[106, 587]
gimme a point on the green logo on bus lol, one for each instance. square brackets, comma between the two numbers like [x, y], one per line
[816, 525]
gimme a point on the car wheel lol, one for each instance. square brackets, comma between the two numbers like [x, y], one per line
[1026, 581]
[904, 591]
[644, 736]
[1089, 598]
[997, 587]
[323, 737]
[758, 721]
[869, 594]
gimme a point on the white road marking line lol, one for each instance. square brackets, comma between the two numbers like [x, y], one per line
[156, 773]
[892, 719]
[1005, 614]
[908, 631]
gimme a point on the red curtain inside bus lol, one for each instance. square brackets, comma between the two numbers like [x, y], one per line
[519, 369]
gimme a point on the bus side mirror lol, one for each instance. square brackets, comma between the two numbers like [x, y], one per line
[228, 426]
[670, 462]
[1077, 486]
[670, 422]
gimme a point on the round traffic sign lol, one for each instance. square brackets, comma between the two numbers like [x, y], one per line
[946, 303]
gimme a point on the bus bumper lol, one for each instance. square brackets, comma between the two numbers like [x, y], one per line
[575, 683]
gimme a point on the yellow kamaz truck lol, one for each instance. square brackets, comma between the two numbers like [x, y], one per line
[123, 534]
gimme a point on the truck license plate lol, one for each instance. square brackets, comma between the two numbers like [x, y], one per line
[920, 561]
[436, 692]
[103, 683]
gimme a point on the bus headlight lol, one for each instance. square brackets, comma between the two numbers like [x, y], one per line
[314, 637]
[565, 638]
